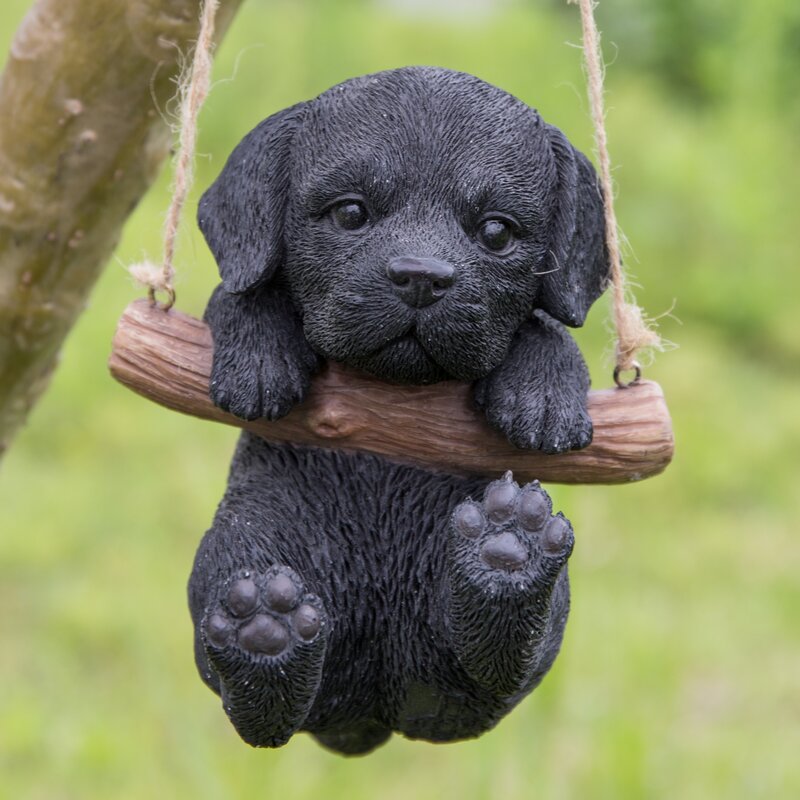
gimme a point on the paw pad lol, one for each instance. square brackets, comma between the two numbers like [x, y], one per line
[504, 551]
[513, 527]
[219, 630]
[307, 621]
[243, 597]
[469, 521]
[500, 500]
[265, 614]
[264, 634]
[533, 509]
[282, 593]
[556, 534]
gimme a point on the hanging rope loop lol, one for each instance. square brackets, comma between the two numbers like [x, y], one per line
[193, 90]
[632, 329]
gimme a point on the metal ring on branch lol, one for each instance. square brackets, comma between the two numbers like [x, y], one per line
[635, 368]
[167, 304]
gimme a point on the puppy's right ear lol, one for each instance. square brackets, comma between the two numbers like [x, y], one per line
[242, 213]
[577, 267]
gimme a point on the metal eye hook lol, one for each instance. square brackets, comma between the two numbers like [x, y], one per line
[637, 375]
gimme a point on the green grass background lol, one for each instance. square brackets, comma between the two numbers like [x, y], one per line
[680, 672]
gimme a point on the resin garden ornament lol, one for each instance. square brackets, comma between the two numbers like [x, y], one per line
[400, 260]
[392, 225]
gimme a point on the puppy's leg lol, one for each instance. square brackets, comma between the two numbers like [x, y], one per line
[537, 396]
[260, 635]
[509, 591]
[262, 362]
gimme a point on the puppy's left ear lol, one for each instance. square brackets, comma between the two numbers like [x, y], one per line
[242, 213]
[576, 266]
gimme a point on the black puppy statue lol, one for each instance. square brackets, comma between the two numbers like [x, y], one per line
[419, 225]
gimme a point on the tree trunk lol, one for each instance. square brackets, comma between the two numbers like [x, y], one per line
[81, 140]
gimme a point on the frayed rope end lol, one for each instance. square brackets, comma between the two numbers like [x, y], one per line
[635, 333]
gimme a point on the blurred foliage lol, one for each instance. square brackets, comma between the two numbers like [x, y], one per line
[680, 673]
[707, 52]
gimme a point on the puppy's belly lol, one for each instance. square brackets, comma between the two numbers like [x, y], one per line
[383, 529]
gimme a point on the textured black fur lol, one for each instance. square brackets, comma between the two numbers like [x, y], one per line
[418, 224]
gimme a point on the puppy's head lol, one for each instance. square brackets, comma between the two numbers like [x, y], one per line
[417, 217]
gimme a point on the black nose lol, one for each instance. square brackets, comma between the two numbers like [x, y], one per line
[420, 281]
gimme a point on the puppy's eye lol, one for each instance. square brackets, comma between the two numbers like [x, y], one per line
[495, 234]
[350, 215]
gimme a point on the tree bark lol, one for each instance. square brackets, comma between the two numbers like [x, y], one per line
[81, 139]
[166, 356]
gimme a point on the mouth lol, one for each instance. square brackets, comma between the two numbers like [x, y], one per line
[406, 345]
[403, 360]
[403, 341]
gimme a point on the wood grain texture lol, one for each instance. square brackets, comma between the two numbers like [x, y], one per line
[166, 357]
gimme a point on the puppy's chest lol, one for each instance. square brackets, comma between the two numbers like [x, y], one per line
[364, 498]
[386, 500]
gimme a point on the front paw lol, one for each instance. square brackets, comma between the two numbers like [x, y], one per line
[249, 388]
[536, 421]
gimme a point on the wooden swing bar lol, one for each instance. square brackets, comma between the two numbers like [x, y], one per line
[166, 357]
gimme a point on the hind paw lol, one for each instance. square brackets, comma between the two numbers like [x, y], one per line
[511, 536]
[265, 637]
[263, 616]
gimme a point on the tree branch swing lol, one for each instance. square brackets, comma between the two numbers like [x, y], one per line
[165, 356]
